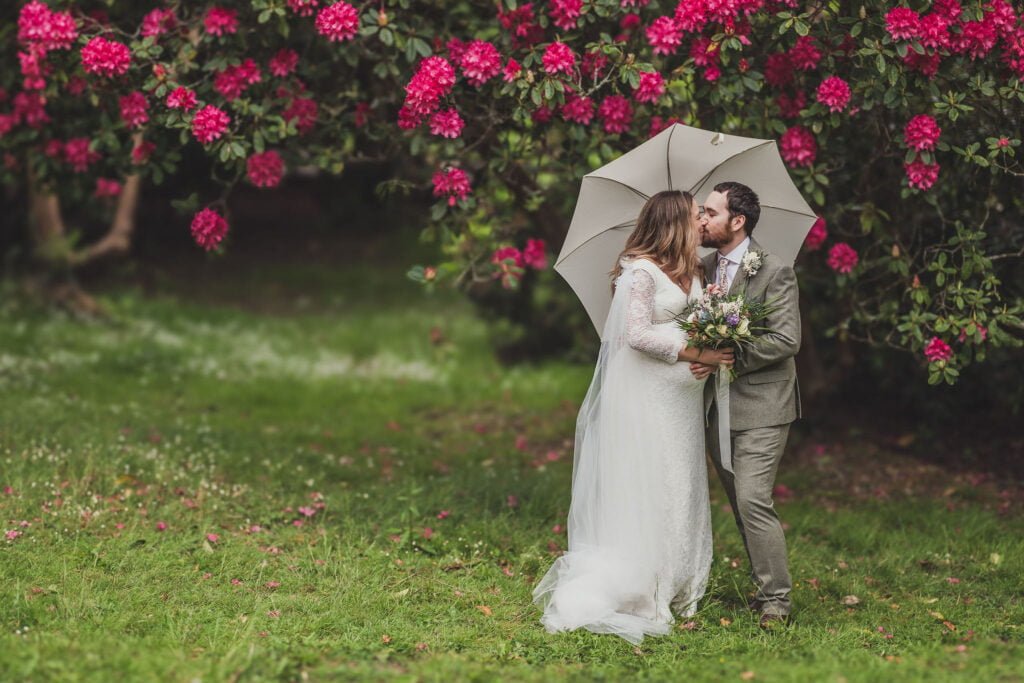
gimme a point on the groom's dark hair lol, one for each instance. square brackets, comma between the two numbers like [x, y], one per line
[742, 202]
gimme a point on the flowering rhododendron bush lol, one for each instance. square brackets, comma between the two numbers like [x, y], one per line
[900, 123]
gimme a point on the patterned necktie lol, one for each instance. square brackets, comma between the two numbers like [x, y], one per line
[723, 273]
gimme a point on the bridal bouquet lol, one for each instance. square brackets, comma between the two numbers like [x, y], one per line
[717, 320]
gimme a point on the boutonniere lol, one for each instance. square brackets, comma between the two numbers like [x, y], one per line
[752, 262]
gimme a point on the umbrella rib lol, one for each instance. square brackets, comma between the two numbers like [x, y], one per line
[619, 182]
[707, 175]
[584, 242]
[668, 160]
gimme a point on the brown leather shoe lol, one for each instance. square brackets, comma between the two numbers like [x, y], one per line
[770, 621]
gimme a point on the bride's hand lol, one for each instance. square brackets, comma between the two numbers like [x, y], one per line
[718, 357]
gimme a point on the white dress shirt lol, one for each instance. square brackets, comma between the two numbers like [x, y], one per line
[735, 258]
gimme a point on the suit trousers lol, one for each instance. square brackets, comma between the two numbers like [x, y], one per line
[755, 459]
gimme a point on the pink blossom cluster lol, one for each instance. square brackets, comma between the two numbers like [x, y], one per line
[937, 350]
[134, 109]
[817, 235]
[158, 22]
[106, 57]
[834, 93]
[304, 8]
[616, 113]
[265, 169]
[303, 111]
[842, 258]
[232, 81]
[181, 98]
[284, 62]
[578, 109]
[78, 153]
[521, 23]
[650, 88]
[208, 230]
[44, 29]
[452, 183]
[446, 123]
[559, 58]
[107, 188]
[920, 174]
[209, 124]
[220, 21]
[565, 13]
[797, 147]
[921, 132]
[511, 71]
[480, 62]
[434, 79]
[664, 35]
[338, 22]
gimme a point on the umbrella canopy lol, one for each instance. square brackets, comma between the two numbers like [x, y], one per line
[678, 158]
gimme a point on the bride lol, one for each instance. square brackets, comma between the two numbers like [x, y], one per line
[640, 520]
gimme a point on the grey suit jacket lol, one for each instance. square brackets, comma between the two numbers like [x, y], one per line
[766, 391]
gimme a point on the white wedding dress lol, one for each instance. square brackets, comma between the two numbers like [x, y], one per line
[640, 520]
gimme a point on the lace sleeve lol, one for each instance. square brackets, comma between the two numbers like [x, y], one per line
[640, 332]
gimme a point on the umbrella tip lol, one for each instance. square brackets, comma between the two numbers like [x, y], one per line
[718, 139]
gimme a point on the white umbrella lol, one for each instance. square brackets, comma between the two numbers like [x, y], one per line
[678, 158]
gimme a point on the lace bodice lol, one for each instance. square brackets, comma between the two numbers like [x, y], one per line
[654, 302]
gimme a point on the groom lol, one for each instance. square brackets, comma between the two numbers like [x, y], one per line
[764, 398]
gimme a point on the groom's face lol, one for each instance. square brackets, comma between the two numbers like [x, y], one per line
[718, 228]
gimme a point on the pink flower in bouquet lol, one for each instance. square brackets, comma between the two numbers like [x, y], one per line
[284, 62]
[651, 87]
[902, 23]
[798, 147]
[535, 254]
[266, 169]
[447, 123]
[181, 98]
[805, 55]
[842, 258]
[616, 113]
[691, 15]
[578, 109]
[452, 183]
[559, 58]
[664, 35]
[107, 187]
[834, 93]
[480, 62]
[512, 70]
[134, 109]
[220, 21]
[921, 132]
[817, 236]
[565, 13]
[339, 22]
[937, 350]
[209, 124]
[208, 229]
[158, 22]
[304, 8]
[921, 175]
[105, 57]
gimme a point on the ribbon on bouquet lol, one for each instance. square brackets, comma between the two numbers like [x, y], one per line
[722, 396]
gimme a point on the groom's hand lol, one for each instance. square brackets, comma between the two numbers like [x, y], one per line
[701, 370]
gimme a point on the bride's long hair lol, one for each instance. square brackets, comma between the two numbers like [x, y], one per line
[666, 234]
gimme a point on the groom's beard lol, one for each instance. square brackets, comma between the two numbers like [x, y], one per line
[708, 241]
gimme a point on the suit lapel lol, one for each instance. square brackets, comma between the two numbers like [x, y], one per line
[741, 274]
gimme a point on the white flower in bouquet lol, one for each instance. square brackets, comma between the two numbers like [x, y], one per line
[744, 327]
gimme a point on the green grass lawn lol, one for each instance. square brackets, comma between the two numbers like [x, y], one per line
[345, 485]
